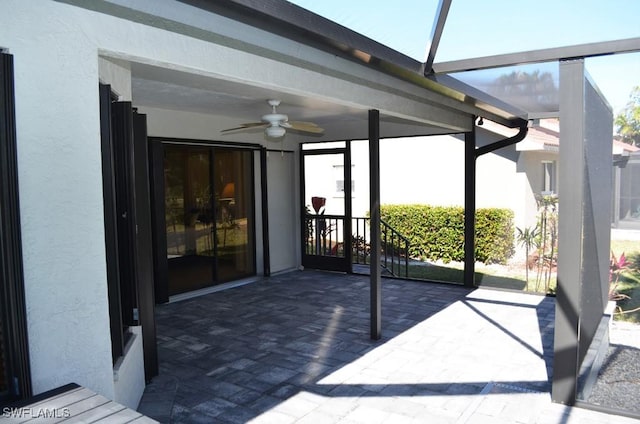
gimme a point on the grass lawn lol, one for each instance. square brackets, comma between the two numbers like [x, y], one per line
[456, 275]
[489, 276]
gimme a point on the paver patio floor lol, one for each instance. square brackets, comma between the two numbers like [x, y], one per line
[296, 348]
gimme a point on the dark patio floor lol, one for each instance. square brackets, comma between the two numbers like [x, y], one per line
[296, 348]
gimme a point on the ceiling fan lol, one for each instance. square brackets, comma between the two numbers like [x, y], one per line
[276, 124]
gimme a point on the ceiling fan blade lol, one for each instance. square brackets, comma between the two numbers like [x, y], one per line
[246, 126]
[309, 127]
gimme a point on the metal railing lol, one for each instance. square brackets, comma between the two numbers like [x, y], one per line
[394, 247]
[323, 236]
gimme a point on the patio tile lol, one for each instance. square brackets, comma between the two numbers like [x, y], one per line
[214, 406]
[296, 348]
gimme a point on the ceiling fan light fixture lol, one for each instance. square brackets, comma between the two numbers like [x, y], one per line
[275, 131]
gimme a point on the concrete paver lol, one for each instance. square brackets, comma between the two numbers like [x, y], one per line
[295, 349]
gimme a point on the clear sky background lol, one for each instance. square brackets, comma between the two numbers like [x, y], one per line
[488, 27]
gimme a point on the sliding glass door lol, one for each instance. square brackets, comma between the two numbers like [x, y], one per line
[209, 216]
[233, 186]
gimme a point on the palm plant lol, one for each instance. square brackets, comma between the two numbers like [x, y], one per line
[529, 239]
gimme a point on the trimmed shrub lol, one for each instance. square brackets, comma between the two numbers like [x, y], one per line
[437, 232]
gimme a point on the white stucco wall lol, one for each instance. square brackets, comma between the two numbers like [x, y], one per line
[282, 187]
[531, 164]
[60, 177]
[424, 170]
[128, 375]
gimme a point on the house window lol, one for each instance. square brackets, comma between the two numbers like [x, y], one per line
[340, 186]
[548, 177]
[338, 172]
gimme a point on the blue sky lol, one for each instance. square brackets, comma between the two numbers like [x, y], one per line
[483, 28]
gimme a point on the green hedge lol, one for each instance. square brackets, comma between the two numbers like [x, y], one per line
[437, 232]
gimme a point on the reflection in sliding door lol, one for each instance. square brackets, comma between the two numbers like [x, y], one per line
[209, 212]
[188, 218]
[233, 178]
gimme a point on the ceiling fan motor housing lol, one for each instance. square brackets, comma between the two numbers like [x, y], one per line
[275, 131]
[275, 118]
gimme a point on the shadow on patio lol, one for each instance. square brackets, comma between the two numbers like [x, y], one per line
[297, 347]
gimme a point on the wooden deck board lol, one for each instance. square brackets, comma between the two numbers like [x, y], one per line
[78, 405]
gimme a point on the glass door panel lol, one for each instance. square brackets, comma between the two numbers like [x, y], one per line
[325, 242]
[188, 214]
[209, 215]
[233, 176]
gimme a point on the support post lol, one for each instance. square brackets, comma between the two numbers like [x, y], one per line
[348, 208]
[265, 213]
[374, 207]
[584, 220]
[469, 206]
[565, 362]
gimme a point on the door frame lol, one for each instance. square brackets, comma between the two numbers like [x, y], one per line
[158, 220]
[323, 262]
[127, 212]
[12, 298]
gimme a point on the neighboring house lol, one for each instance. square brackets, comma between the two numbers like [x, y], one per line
[626, 189]
[429, 170]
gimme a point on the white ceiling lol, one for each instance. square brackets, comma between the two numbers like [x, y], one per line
[235, 103]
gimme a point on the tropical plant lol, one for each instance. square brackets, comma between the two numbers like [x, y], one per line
[548, 238]
[529, 239]
[627, 123]
[617, 266]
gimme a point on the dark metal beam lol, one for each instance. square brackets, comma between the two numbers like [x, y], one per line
[374, 208]
[469, 206]
[348, 207]
[436, 33]
[265, 213]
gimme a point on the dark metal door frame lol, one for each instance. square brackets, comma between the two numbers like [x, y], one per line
[158, 220]
[128, 235]
[328, 262]
[12, 301]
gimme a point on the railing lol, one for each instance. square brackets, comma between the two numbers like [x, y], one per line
[395, 247]
[324, 237]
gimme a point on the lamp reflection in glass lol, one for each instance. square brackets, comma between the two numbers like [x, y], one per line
[227, 203]
[318, 204]
[228, 192]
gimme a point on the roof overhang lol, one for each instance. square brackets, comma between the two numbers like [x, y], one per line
[293, 22]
